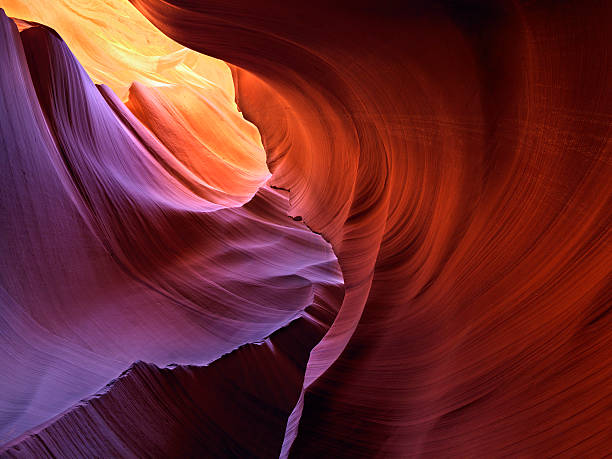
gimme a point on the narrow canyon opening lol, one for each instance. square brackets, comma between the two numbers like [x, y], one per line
[152, 183]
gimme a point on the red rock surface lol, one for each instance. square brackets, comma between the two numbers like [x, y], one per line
[457, 156]
[115, 252]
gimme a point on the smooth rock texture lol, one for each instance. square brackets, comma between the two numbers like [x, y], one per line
[113, 254]
[455, 154]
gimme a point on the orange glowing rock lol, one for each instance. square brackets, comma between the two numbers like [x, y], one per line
[189, 97]
[207, 135]
[118, 46]
[456, 154]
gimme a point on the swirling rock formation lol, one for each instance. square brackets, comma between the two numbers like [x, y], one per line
[457, 156]
[114, 250]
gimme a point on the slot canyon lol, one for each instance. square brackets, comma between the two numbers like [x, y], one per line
[305, 229]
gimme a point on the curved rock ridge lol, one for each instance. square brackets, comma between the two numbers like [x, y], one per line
[113, 249]
[225, 153]
[119, 48]
[457, 155]
[236, 406]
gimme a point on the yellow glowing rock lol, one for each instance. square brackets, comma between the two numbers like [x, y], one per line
[185, 98]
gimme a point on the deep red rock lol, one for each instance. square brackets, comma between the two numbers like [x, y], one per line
[457, 156]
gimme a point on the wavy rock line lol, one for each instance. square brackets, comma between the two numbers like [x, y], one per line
[457, 155]
[112, 253]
